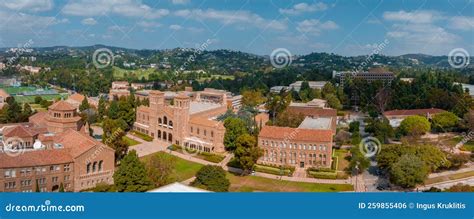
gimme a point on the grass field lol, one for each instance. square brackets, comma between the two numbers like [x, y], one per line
[183, 170]
[468, 146]
[343, 162]
[231, 77]
[449, 177]
[130, 141]
[120, 73]
[14, 90]
[31, 99]
[255, 184]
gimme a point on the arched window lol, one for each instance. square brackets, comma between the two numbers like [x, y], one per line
[94, 166]
[170, 137]
[159, 121]
[101, 163]
[88, 167]
[159, 134]
[164, 136]
[170, 124]
[165, 120]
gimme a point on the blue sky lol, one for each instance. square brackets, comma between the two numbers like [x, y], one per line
[257, 26]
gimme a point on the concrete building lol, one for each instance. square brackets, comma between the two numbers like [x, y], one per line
[296, 147]
[374, 74]
[395, 117]
[312, 84]
[189, 123]
[53, 150]
[119, 89]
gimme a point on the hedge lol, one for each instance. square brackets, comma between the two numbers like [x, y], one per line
[272, 170]
[214, 158]
[322, 175]
[142, 135]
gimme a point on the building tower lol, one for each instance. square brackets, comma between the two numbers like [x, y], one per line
[181, 118]
[157, 100]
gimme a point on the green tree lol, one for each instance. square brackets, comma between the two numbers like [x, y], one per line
[160, 167]
[414, 126]
[354, 126]
[61, 187]
[38, 99]
[116, 141]
[358, 161]
[84, 105]
[113, 110]
[247, 152]
[234, 127]
[252, 98]
[333, 102]
[409, 171]
[444, 121]
[102, 108]
[131, 175]
[213, 178]
[289, 119]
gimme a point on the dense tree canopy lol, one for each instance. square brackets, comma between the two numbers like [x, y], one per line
[212, 178]
[131, 175]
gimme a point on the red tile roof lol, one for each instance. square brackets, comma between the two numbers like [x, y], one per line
[413, 112]
[296, 134]
[39, 118]
[36, 158]
[76, 141]
[62, 106]
[77, 97]
[19, 131]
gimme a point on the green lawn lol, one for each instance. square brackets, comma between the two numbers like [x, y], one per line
[255, 184]
[224, 77]
[343, 162]
[120, 73]
[468, 146]
[450, 177]
[130, 141]
[31, 99]
[183, 170]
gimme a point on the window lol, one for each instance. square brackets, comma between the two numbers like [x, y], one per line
[26, 182]
[67, 168]
[94, 167]
[100, 165]
[10, 173]
[66, 178]
[89, 167]
[159, 121]
[165, 120]
[197, 131]
[212, 134]
[170, 124]
[54, 179]
[205, 132]
[10, 185]
[41, 181]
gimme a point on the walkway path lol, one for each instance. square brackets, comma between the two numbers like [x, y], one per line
[146, 148]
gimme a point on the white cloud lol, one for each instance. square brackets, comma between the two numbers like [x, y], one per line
[233, 17]
[22, 22]
[462, 23]
[412, 17]
[89, 21]
[180, 2]
[148, 24]
[303, 8]
[127, 8]
[315, 27]
[175, 27]
[28, 5]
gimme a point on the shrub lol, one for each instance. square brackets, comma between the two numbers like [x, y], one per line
[142, 135]
[212, 178]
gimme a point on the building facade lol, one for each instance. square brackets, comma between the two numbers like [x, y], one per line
[374, 74]
[53, 150]
[185, 122]
[301, 148]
